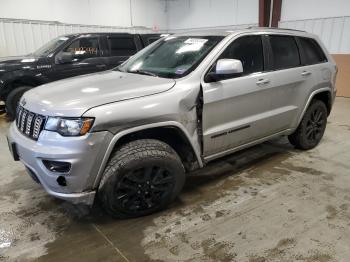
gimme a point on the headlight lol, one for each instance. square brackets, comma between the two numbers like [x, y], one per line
[69, 126]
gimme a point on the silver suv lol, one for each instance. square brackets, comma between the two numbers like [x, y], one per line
[131, 134]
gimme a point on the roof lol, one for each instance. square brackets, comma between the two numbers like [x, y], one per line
[227, 31]
[109, 33]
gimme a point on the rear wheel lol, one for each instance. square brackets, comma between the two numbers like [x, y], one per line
[311, 128]
[12, 100]
[142, 177]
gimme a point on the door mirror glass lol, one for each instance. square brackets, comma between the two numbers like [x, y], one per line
[228, 67]
[64, 58]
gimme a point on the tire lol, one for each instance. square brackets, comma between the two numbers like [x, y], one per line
[12, 100]
[311, 128]
[142, 177]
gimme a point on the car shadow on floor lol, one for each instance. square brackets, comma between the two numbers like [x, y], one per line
[267, 154]
[201, 188]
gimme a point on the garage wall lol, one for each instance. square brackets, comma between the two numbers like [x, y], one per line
[330, 20]
[125, 13]
[19, 37]
[308, 9]
[192, 14]
[333, 31]
[26, 25]
[335, 34]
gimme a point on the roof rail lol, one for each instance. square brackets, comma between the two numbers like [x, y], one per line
[274, 28]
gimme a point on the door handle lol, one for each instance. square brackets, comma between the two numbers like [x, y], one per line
[263, 81]
[306, 73]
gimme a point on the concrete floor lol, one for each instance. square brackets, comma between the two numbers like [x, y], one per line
[267, 203]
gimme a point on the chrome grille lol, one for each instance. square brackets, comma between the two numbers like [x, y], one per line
[29, 123]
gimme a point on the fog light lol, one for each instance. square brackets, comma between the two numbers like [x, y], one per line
[57, 166]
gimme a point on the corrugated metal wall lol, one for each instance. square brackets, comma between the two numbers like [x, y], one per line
[18, 37]
[333, 31]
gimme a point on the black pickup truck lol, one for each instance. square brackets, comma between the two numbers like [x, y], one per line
[63, 57]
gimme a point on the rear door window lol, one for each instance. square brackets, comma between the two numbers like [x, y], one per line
[285, 52]
[312, 52]
[121, 46]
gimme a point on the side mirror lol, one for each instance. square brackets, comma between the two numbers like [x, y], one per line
[64, 58]
[225, 68]
[228, 67]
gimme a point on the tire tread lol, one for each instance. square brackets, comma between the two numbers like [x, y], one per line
[297, 139]
[130, 152]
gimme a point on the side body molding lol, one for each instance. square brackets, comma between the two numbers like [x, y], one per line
[140, 128]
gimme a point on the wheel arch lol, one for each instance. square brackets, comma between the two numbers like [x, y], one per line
[323, 94]
[172, 133]
[326, 97]
[20, 80]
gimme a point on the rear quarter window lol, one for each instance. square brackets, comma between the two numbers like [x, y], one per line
[285, 52]
[312, 52]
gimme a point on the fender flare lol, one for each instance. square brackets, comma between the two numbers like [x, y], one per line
[311, 96]
[125, 132]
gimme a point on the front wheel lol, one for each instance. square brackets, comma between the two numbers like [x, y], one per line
[311, 128]
[142, 177]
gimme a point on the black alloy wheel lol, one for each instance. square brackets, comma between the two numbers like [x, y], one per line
[315, 125]
[312, 126]
[142, 177]
[144, 189]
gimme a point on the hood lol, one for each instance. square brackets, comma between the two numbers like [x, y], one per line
[72, 97]
[17, 61]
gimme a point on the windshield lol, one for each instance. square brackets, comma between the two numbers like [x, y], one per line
[171, 57]
[50, 46]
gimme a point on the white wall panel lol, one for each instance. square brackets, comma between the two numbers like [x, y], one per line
[333, 31]
[18, 37]
[310, 9]
[191, 14]
[124, 13]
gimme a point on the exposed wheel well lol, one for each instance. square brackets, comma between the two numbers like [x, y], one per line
[173, 136]
[22, 81]
[326, 98]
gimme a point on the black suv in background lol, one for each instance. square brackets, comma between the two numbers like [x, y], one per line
[63, 57]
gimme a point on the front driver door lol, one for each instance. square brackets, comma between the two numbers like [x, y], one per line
[86, 59]
[236, 109]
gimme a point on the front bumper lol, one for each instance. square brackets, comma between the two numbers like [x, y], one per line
[85, 153]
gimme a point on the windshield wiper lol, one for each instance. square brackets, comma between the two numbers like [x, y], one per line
[142, 72]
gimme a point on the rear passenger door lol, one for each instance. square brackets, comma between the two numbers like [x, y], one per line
[290, 82]
[314, 63]
[120, 48]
